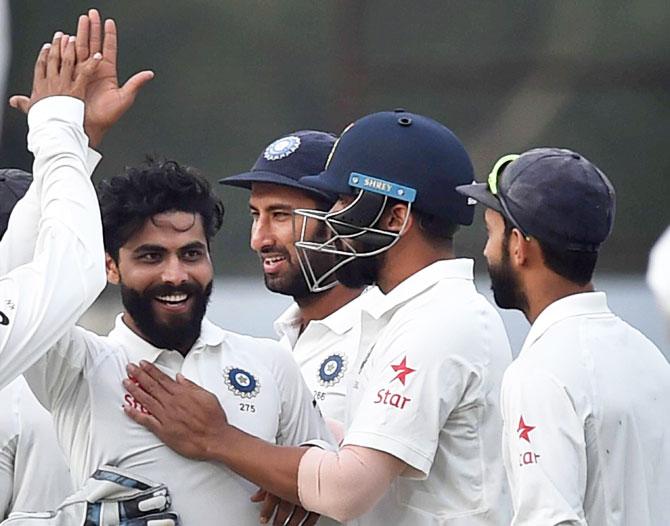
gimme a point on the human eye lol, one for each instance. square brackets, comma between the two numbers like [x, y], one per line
[193, 254]
[282, 215]
[149, 257]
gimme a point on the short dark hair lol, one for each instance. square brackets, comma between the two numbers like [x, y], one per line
[437, 229]
[573, 265]
[154, 187]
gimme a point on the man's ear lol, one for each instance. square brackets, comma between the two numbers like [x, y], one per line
[396, 217]
[519, 246]
[113, 275]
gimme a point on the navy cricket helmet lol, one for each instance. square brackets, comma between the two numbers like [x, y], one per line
[407, 152]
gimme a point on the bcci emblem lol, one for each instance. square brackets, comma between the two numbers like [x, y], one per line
[240, 382]
[332, 370]
[282, 148]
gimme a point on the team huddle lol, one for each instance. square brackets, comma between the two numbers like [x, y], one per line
[390, 397]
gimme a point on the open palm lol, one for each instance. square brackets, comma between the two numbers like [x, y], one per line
[105, 100]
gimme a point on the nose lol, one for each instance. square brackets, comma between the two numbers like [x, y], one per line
[261, 235]
[174, 272]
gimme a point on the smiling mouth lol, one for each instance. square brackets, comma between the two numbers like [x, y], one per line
[273, 264]
[173, 299]
[274, 260]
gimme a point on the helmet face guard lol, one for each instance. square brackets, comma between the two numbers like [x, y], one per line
[326, 241]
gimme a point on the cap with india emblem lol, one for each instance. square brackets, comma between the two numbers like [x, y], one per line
[287, 159]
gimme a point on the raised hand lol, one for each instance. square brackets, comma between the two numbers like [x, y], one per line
[106, 101]
[55, 73]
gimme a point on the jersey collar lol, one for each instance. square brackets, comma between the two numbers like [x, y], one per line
[339, 322]
[459, 269]
[137, 348]
[584, 303]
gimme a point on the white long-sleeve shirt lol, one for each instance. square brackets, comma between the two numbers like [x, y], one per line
[46, 286]
[586, 437]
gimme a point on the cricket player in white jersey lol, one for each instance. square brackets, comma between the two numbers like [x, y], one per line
[158, 221]
[321, 326]
[586, 436]
[33, 473]
[422, 436]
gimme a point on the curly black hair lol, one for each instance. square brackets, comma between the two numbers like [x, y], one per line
[154, 187]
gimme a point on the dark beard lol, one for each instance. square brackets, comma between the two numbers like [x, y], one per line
[359, 272]
[505, 285]
[182, 332]
[293, 285]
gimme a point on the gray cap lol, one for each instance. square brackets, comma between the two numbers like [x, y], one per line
[555, 195]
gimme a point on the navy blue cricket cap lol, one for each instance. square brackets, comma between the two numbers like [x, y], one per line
[288, 159]
[14, 184]
[552, 194]
[409, 151]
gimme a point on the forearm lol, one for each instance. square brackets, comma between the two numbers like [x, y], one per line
[347, 483]
[62, 167]
[272, 467]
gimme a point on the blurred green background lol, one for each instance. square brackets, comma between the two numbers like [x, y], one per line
[505, 76]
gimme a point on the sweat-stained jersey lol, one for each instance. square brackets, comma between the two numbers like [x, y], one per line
[586, 435]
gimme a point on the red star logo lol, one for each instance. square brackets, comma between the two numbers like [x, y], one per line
[402, 370]
[524, 429]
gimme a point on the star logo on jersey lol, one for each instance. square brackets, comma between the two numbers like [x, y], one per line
[241, 382]
[402, 370]
[524, 429]
[4, 320]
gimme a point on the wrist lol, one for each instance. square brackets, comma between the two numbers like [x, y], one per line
[217, 445]
[95, 135]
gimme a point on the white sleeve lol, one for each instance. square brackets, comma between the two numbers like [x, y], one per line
[17, 246]
[40, 300]
[543, 449]
[415, 383]
[300, 419]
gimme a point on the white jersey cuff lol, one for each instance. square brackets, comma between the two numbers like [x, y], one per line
[65, 108]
